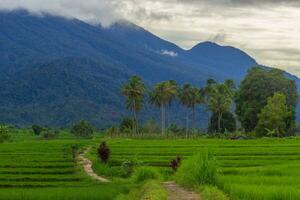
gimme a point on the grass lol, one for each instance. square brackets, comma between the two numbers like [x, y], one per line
[34, 168]
[250, 170]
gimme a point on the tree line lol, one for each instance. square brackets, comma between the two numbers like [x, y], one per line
[264, 103]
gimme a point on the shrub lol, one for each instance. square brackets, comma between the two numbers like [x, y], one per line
[49, 134]
[82, 129]
[174, 164]
[145, 173]
[126, 124]
[200, 169]
[37, 129]
[4, 133]
[104, 152]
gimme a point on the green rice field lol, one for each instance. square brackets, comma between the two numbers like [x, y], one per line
[38, 169]
[265, 169]
[34, 169]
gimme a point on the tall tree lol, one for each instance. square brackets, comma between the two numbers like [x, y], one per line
[220, 98]
[174, 88]
[189, 96]
[134, 91]
[258, 85]
[161, 95]
[273, 117]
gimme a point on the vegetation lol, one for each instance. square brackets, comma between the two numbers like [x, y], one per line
[200, 169]
[37, 129]
[162, 96]
[104, 152]
[4, 133]
[134, 91]
[274, 117]
[228, 123]
[82, 129]
[254, 91]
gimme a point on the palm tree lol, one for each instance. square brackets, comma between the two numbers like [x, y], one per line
[161, 96]
[134, 91]
[187, 97]
[220, 98]
[174, 90]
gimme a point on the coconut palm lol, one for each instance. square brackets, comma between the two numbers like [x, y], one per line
[161, 95]
[174, 90]
[134, 91]
[188, 97]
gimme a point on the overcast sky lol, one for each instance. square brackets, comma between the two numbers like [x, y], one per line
[268, 30]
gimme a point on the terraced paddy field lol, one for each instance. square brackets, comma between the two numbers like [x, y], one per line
[39, 169]
[265, 169]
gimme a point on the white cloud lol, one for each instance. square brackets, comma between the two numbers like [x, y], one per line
[268, 30]
[169, 53]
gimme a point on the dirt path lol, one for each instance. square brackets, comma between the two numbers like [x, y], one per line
[178, 193]
[87, 166]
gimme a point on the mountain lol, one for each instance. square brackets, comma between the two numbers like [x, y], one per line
[55, 71]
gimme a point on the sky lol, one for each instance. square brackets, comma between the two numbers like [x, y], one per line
[268, 30]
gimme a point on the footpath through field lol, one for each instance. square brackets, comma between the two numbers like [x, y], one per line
[179, 193]
[87, 166]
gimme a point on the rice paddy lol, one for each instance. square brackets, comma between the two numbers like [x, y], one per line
[39, 169]
[264, 169]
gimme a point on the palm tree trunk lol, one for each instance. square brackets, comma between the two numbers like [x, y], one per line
[219, 122]
[134, 119]
[163, 120]
[187, 124]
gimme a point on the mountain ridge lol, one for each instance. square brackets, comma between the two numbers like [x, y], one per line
[43, 59]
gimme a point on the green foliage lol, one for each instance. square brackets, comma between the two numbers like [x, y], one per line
[219, 99]
[150, 127]
[256, 88]
[176, 129]
[189, 97]
[200, 169]
[37, 129]
[228, 123]
[134, 91]
[49, 133]
[161, 96]
[128, 166]
[82, 129]
[151, 190]
[212, 193]
[145, 173]
[274, 117]
[4, 133]
[127, 124]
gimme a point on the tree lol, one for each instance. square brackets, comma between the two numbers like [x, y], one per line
[189, 96]
[161, 96]
[82, 129]
[134, 91]
[273, 117]
[174, 87]
[220, 98]
[4, 133]
[256, 88]
[228, 123]
[37, 129]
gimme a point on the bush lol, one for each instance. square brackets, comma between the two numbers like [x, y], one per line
[200, 169]
[145, 173]
[4, 133]
[228, 123]
[82, 129]
[50, 134]
[37, 130]
[128, 167]
[174, 164]
[126, 124]
[103, 152]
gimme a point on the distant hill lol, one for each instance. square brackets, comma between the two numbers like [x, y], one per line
[55, 71]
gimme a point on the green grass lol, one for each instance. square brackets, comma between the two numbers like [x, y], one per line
[265, 169]
[36, 169]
